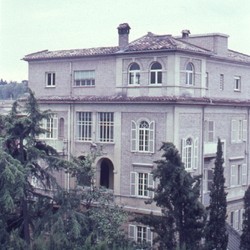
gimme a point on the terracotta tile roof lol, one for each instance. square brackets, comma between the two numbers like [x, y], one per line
[162, 42]
[148, 43]
[145, 99]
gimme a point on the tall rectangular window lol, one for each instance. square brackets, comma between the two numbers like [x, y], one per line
[140, 234]
[106, 126]
[50, 79]
[238, 175]
[50, 125]
[238, 130]
[221, 82]
[237, 83]
[84, 78]
[140, 184]
[209, 131]
[84, 126]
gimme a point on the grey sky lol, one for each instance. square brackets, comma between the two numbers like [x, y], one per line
[27, 26]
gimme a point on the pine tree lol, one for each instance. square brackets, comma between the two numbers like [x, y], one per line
[216, 236]
[177, 194]
[245, 237]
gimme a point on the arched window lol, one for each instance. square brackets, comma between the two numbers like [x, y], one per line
[190, 153]
[134, 74]
[156, 73]
[142, 136]
[190, 74]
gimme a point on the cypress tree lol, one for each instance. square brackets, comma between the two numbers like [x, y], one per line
[216, 236]
[177, 194]
[245, 237]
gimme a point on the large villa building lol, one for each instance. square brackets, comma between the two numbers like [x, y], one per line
[128, 99]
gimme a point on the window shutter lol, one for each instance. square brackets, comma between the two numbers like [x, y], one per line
[244, 174]
[133, 183]
[149, 235]
[132, 232]
[244, 130]
[206, 130]
[196, 153]
[233, 175]
[55, 127]
[183, 152]
[236, 219]
[234, 131]
[150, 185]
[133, 136]
[42, 125]
[211, 131]
[151, 137]
[241, 217]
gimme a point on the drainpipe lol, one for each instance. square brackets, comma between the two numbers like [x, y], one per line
[202, 150]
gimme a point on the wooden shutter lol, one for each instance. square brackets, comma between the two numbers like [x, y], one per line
[236, 219]
[133, 183]
[234, 126]
[183, 152]
[233, 175]
[244, 130]
[132, 232]
[196, 153]
[244, 174]
[152, 137]
[210, 131]
[133, 136]
[55, 127]
[150, 185]
[149, 235]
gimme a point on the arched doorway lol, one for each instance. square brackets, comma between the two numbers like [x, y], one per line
[107, 174]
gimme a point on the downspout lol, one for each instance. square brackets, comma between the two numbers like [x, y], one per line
[202, 151]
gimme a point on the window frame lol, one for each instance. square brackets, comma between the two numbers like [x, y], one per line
[133, 233]
[134, 74]
[142, 137]
[238, 130]
[139, 184]
[105, 127]
[50, 79]
[85, 81]
[238, 175]
[156, 74]
[190, 153]
[84, 126]
[50, 124]
[190, 73]
[237, 83]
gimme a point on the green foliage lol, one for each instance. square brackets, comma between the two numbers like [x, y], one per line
[245, 237]
[12, 90]
[177, 194]
[84, 218]
[216, 236]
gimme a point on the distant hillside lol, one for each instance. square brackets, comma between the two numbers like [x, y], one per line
[12, 90]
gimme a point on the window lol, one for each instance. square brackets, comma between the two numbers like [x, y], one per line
[84, 126]
[50, 79]
[134, 74]
[207, 180]
[190, 153]
[190, 74]
[207, 80]
[142, 136]
[236, 219]
[156, 73]
[51, 127]
[84, 78]
[238, 175]
[139, 184]
[106, 126]
[209, 131]
[221, 82]
[237, 83]
[140, 234]
[238, 130]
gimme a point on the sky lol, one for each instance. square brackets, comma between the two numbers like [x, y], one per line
[28, 26]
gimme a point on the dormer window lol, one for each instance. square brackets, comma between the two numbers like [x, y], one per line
[156, 73]
[134, 74]
[190, 74]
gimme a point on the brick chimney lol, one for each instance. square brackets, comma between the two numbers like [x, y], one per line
[123, 31]
[185, 33]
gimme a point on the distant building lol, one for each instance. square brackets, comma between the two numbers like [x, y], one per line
[189, 90]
